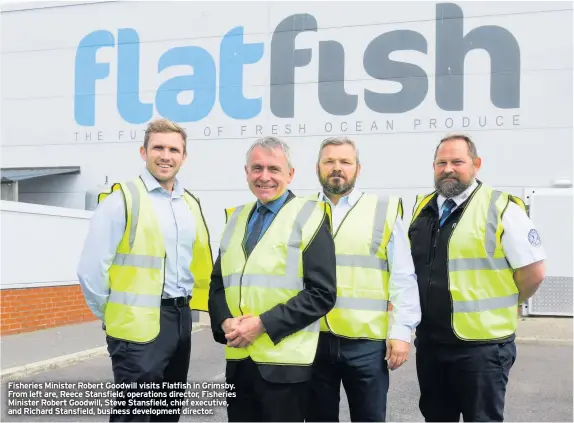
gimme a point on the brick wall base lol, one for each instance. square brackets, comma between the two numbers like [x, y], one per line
[30, 309]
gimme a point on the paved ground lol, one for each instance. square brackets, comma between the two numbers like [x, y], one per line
[540, 388]
[22, 349]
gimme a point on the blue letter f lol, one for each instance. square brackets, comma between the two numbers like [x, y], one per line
[87, 72]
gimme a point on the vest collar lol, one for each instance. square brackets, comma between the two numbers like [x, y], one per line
[459, 199]
[438, 200]
[351, 198]
[275, 205]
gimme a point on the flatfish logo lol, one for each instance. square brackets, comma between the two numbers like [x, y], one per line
[534, 238]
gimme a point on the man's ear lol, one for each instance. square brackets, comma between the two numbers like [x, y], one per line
[477, 163]
[143, 153]
[291, 174]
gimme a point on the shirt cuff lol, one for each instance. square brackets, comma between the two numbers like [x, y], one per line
[223, 319]
[400, 332]
[97, 308]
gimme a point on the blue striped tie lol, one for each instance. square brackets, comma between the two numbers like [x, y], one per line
[446, 210]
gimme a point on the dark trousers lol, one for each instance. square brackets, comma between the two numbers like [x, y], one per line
[361, 366]
[468, 380]
[257, 400]
[166, 359]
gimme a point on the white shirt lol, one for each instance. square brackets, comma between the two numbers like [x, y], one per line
[107, 225]
[520, 240]
[403, 287]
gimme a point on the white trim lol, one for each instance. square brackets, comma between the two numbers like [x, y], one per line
[29, 208]
[40, 284]
[20, 6]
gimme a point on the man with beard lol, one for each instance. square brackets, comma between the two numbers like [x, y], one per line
[357, 344]
[477, 256]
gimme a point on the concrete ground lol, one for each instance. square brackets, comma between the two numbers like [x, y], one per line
[27, 353]
[540, 387]
[32, 347]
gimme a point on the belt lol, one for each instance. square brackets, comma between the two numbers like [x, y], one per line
[177, 302]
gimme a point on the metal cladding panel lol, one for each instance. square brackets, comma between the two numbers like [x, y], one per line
[551, 211]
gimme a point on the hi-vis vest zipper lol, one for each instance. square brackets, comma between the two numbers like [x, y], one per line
[361, 310]
[138, 271]
[480, 279]
[271, 275]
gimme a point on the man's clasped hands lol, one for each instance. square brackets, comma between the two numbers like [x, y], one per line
[241, 331]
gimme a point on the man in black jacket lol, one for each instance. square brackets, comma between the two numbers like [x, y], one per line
[270, 327]
[477, 256]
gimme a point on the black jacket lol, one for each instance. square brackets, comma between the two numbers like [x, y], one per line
[314, 302]
[430, 255]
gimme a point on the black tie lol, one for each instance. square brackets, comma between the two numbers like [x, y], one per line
[256, 231]
[447, 209]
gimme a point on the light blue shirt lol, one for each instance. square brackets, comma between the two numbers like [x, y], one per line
[273, 206]
[403, 287]
[107, 226]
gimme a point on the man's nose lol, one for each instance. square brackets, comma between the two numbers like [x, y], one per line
[264, 174]
[164, 154]
[449, 168]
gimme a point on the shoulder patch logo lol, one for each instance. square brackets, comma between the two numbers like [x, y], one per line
[534, 238]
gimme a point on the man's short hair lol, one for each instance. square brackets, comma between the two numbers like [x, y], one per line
[164, 126]
[271, 143]
[338, 141]
[472, 151]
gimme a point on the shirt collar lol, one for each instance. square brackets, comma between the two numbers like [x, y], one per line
[350, 199]
[152, 184]
[276, 204]
[459, 199]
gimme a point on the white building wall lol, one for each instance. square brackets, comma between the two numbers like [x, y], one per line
[524, 147]
[41, 245]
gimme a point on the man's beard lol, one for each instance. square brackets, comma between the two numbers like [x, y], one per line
[338, 189]
[451, 188]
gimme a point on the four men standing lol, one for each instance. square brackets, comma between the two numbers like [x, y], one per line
[309, 292]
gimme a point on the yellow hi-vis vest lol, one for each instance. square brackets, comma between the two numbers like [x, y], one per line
[137, 273]
[480, 279]
[272, 275]
[361, 309]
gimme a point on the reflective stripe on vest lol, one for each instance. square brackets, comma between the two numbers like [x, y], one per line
[484, 295]
[202, 257]
[271, 275]
[361, 309]
[137, 272]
